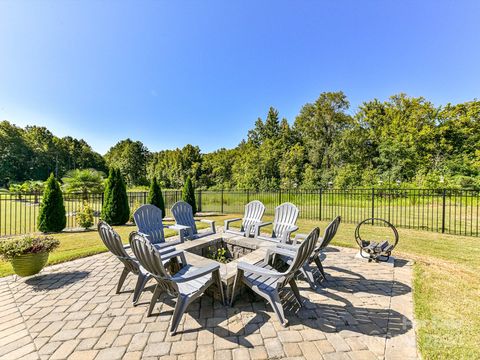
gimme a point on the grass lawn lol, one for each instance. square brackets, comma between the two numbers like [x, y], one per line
[446, 280]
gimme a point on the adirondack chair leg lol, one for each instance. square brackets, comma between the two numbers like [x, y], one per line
[123, 276]
[216, 274]
[306, 271]
[295, 291]
[320, 267]
[155, 296]
[141, 281]
[236, 285]
[180, 307]
[274, 300]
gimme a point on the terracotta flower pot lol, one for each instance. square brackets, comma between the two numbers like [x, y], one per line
[29, 264]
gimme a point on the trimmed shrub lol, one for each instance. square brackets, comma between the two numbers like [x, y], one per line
[155, 196]
[84, 216]
[136, 205]
[188, 194]
[116, 210]
[52, 217]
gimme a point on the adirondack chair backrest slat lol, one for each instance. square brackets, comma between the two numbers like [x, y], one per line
[114, 244]
[148, 219]
[253, 213]
[286, 216]
[304, 251]
[183, 214]
[329, 233]
[149, 257]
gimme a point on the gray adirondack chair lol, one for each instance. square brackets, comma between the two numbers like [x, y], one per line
[284, 221]
[323, 242]
[252, 217]
[264, 280]
[114, 244]
[183, 214]
[187, 285]
[148, 219]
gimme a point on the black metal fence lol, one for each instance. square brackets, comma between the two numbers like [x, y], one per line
[445, 211]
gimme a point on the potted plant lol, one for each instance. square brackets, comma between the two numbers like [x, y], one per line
[28, 254]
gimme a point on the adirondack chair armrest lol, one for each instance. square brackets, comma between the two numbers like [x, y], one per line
[173, 254]
[288, 232]
[258, 227]
[211, 222]
[299, 237]
[207, 221]
[205, 270]
[249, 268]
[158, 246]
[280, 251]
[229, 221]
[166, 250]
[181, 230]
[288, 247]
[177, 227]
[255, 227]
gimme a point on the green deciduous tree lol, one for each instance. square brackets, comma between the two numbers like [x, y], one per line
[51, 216]
[320, 126]
[130, 157]
[155, 196]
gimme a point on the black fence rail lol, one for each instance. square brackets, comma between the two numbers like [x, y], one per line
[446, 211]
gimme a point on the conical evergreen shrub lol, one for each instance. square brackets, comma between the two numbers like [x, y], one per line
[155, 196]
[188, 194]
[52, 211]
[116, 210]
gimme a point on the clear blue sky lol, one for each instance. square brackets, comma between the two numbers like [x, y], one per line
[170, 73]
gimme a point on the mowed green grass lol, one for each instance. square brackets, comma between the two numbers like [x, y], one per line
[446, 283]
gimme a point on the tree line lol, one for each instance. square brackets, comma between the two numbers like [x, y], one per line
[402, 141]
[34, 152]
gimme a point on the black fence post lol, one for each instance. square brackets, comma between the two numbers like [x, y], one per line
[279, 196]
[373, 204]
[320, 193]
[444, 195]
[199, 200]
[248, 196]
[221, 201]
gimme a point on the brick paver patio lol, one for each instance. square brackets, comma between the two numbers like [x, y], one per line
[71, 311]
